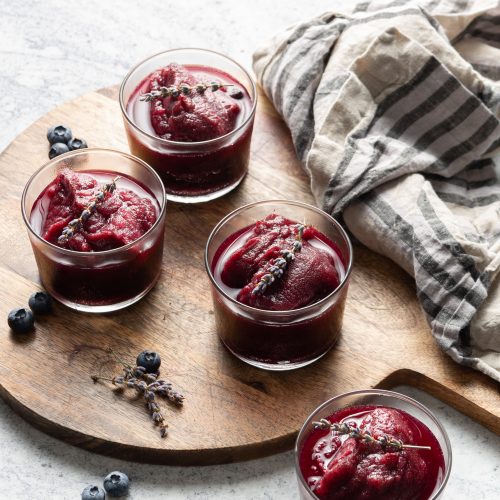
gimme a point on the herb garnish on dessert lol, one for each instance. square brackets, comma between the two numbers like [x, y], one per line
[96, 220]
[278, 264]
[84, 211]
[191, 122]
[188, 103]
[279, 282]
[371, 453]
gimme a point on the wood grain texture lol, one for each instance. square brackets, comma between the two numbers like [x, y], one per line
[232, 411]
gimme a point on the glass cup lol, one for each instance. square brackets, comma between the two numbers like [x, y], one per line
[279, 340]
[191, 171]
[374, 397]
[97, 281]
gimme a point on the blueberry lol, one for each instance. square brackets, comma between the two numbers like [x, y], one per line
[57, 149]
[116, 484]
[40, 302]
[149, 360]
[21, 320]
[236, 93]
[59, 133]
[77, 144]
[93, 493]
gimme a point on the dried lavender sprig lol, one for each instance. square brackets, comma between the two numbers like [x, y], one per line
[160, 387]
[148, 393]
[117, 358]
[148, 385]
[353, 431]
[156, 415]
[175, 91]
[166, 390]
[280, 264]
[76, 224]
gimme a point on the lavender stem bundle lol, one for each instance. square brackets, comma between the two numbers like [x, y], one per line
[280, 264]
[175, 91]
[76, 224]
[149, 386]
[387, 443]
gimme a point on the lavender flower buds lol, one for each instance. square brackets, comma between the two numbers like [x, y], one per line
[149, 386]
[280, 264]
[175, 91]
[76, 224]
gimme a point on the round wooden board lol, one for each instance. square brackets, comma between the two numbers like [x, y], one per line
[232, 411]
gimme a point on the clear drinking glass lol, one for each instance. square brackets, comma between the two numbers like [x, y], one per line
[191, 171]
[374, 397]
[279, 340]
[97, 281]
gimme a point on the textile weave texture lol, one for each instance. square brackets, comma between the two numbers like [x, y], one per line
[393, 107]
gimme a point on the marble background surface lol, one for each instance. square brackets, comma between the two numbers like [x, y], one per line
[52, 51]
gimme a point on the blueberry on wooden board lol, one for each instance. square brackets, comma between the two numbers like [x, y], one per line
[150, 360]
[21, 320]
[57, 149]
[40, 302]
[77, 144]
[59, 133]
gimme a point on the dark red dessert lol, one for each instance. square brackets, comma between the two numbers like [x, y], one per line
[338, 467]
[192, 170]
[123, 217]
[314, 273]
[311, 276]
[194, 117]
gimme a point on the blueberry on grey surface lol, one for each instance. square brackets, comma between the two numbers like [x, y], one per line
[40, 302]
[236, 93]
[77, 144]
[58, 149]
[93, 493]
[150, 360]
[116, 484]
[59, 133]
[21, 320]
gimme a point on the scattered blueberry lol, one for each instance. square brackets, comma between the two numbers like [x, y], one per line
[93, 493]
[21, 320]
[57, 149]
[40, 302]
[236, 93]
[116, 484]
[150, 360]
[77, 144]
[59, 133]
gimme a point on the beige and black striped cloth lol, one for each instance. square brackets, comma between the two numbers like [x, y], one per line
[394, 112]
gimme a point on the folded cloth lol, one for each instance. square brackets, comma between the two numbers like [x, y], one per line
[394, 114]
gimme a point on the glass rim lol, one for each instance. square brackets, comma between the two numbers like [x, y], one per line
[375, 392]
[288, 312]
[84, 151]
[221, 138]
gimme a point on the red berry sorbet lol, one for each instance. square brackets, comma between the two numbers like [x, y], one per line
[338, 467]
[193, 117]
[90, 277]
[314, 273]
[187, 169]
[123, 217]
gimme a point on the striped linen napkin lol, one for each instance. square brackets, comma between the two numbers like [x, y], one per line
[394, 110]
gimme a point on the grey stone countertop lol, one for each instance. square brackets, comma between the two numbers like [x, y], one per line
[52, 51]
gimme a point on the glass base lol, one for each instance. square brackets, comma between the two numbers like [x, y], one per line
[204, 197]
[104, 308]
[276, 367]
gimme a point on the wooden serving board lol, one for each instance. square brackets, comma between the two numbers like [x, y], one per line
[232, 411]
